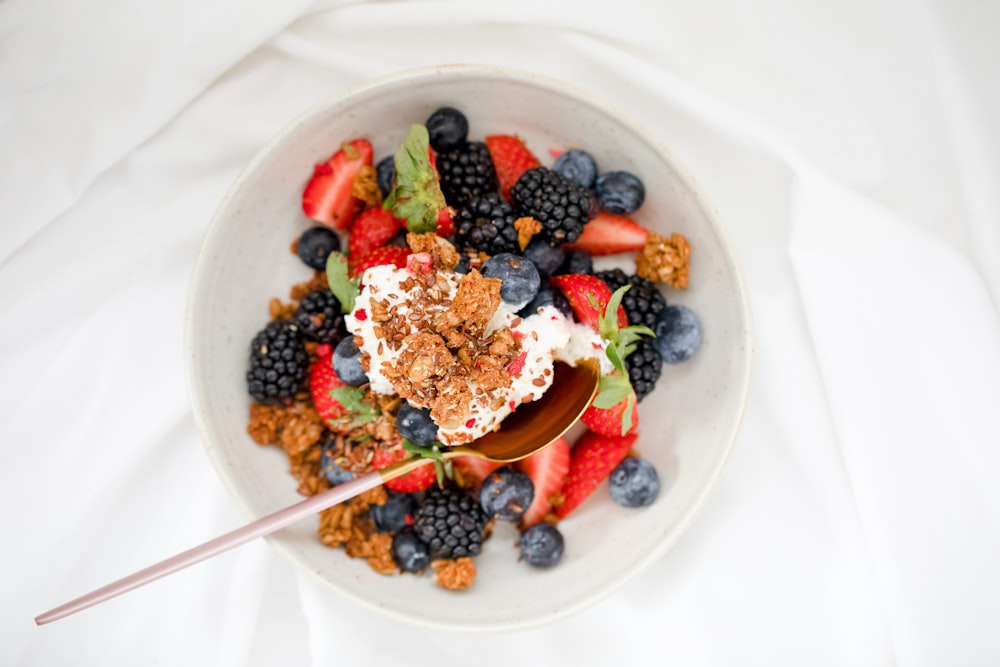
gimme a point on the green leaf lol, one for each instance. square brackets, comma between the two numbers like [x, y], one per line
[416, 196]
[627, 414]
[342, 286]
[614, 354]
[359, 411]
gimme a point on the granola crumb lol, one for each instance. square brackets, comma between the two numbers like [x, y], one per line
[526, 228]
[365, 186]
[665, 260]
[443, 254]
[455, 575]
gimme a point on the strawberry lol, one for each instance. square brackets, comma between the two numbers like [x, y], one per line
[547, 470]
[445, 225]
[609, 234]
[611, 421]
[415, 480]
[594, 457]
[473, 469]
[328, 197]
[578, 287]
[389, 254]
[323, 380]
[511, 159]
[373, 229]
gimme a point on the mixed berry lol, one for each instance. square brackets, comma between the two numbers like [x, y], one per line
[536, 229]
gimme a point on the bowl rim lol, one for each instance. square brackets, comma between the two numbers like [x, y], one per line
[369, 86]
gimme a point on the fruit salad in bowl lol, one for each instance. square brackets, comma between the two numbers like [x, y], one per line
[444, 249]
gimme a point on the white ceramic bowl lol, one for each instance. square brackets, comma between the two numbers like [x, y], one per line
[688, 424]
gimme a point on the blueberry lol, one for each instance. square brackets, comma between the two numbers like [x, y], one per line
[548, 295]
[410, 552]
[416, 425]
[577, 261]
[447, 128]
[541, 545]
[463, 265]
[315, 246]
[678, 333]
[620, 192]
[634, 483]
[545, 257]
[385, 174]
[520, 277]
[395, 513]
[347, 363]
[577, 165]
[334, 473]
[506, 493]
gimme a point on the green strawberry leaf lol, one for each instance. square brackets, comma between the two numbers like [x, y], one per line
[343, 286]
[416, 196]
[612, 390]
[432, 452]
[359, 411]
[627, 414]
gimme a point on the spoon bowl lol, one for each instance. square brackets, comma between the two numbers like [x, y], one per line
[529, 430]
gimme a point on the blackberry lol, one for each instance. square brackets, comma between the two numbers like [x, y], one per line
[486, 223]
[319, 317]
[642, 303]
[278, 363]
[561, 205]
[644, 366]
[466, 172]
[451, 523]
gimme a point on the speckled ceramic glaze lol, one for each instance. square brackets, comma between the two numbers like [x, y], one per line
[688, 425]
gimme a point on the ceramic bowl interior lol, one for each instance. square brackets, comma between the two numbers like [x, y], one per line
[688, 424]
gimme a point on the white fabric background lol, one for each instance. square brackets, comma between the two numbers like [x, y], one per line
[853, 150]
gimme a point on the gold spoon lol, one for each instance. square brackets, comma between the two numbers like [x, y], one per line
[532, 428]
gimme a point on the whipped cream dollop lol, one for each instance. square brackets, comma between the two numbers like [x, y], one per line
[470, 367]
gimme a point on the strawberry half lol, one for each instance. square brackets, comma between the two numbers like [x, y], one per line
[610, 234]
[547, 470]
[413, 481]
[327, 197]
[323, 380]
[594, 457]
[389, 254]
[608, 421]
[511, 158]
[373, 229]
[473, 469]
[578, 287]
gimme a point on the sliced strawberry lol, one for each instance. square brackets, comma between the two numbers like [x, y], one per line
[323, 380]
[594, 457]
[413, 481]
[610, 234]
[445, 223]
[473, 470]
[547, 470]
[578, 287]
[390, 254]
[328, 196]
[608, 421]
[511, 159]
[372, 229]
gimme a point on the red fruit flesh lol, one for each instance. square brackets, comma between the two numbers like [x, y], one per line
[610, 234]
[474, 469]
[394, 255]
[578, 287]
[327, 197]
[547, 470]
[413, 481]
[373, 229]
[608, 421]
[511, 159]
[594, 457]
[322, 380]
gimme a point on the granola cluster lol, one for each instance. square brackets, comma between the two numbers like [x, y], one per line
[665, 260]
[447, 356]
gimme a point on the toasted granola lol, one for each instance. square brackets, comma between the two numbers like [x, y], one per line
[455, 575]
[665, 260]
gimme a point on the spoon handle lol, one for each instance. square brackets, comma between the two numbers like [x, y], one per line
[263, 526]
